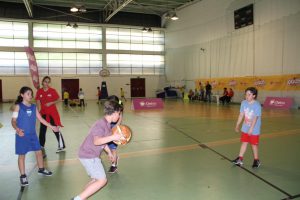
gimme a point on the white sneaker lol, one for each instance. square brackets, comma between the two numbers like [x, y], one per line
[60, 150]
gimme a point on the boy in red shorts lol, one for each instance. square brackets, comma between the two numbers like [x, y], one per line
[251, 112]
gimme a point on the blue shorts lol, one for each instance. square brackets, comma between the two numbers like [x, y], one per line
[27, 143]
[112, 145]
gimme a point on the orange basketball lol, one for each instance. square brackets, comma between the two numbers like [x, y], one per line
[125, 131]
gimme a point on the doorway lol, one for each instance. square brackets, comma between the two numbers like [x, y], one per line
[71, 86]
[137, 87]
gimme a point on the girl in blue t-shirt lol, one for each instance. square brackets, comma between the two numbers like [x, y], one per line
[24, 122]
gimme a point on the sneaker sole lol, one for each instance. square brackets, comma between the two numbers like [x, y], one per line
[256, 166]
[112, 172]
[238, 164]
[44, 174]
[60, 150]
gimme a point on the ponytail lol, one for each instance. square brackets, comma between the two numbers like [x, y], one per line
[19, 99]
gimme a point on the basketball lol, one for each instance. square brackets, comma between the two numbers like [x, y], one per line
[125, 131]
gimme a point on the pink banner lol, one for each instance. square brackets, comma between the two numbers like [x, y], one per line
[147, 104]
[278, 102]
[33, 68]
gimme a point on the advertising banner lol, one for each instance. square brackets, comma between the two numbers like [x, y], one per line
[278, 102]
[33, 68]
[147, 104]
[266, 83]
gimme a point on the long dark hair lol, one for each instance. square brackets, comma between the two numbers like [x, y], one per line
[23, 90]
[46, 77]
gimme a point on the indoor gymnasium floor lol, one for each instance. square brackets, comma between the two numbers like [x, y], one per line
[182, 152]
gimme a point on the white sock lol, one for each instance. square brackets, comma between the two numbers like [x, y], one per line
[77, 198]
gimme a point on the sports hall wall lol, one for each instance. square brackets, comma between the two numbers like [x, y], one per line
[11, 85]
[203, 43]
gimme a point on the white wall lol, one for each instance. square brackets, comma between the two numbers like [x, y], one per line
[11, 85]
[203, 42]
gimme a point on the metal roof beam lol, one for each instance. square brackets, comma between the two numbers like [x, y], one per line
[113, 7]
[28, 6]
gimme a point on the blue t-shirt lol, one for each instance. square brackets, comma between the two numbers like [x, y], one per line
[250, 111]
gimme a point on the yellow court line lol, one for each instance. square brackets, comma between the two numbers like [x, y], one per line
[263, 136]
[196, 146]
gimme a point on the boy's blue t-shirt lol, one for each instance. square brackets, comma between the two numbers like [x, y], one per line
[250, 111]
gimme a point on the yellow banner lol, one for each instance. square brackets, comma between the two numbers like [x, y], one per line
[268, 83]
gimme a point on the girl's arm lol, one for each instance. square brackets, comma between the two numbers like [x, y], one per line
[43, 121]
[38, 104]
[237, 129]
[52, 102]
[55, 96]
[14, 121]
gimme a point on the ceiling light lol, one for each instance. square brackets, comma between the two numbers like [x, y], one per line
[144, 30]
[74, 9]
[82, 9]
[174, 17]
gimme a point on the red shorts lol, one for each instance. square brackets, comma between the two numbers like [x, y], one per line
[252, 139]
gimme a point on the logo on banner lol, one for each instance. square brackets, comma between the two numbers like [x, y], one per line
[259, 83]
[293, 82]
[276, 102]
[275, 82]
[214, 83]
[147, 103]
[232, 83]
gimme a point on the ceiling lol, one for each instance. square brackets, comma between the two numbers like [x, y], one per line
[123, 12]
[156, 7]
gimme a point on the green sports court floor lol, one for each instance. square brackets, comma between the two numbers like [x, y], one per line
[180, 153]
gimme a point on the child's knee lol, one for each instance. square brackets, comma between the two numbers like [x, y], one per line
[102, 182]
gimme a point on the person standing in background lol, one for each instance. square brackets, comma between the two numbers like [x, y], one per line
[122, 94]
[66, 97]
[208, 89]
[99, 94]
[81, 98]
[201, 91]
